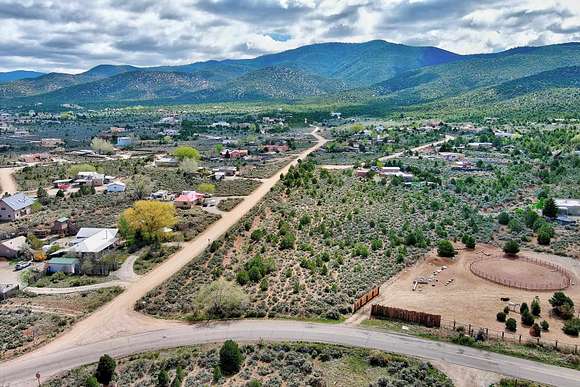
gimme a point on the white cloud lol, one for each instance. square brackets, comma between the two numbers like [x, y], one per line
[72, 36]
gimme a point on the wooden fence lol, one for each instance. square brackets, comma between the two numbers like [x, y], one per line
[410, 316]
[362, 301]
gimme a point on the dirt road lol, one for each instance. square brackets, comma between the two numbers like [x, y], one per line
[118, 317]
[7, 181]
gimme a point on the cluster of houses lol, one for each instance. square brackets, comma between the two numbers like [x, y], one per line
[92, 179]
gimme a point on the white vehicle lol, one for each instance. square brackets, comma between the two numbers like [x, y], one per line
[22, 265]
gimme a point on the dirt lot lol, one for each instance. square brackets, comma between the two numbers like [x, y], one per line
[468, 298]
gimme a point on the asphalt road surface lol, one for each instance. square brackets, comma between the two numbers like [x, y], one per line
[21, 372]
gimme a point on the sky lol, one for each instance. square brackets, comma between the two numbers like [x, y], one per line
[75, 35]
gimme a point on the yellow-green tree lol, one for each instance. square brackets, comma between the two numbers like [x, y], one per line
[146, 220]
[207, 188]
[186, 152]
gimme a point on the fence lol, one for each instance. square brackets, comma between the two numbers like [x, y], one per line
[362, 301]
[526, 285]
[410, 316]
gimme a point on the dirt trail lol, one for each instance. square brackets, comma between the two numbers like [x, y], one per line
[7, 181]
[118, 317]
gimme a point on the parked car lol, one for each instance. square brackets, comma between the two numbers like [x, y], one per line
[22, 265]
[209, 203]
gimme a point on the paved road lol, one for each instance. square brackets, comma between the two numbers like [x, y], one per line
[21, 372]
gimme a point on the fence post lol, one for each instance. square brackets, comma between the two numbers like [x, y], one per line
[453, 324]
[520, 339]
[575, 349]
[502, 335]
[556, 344]
[469, 330]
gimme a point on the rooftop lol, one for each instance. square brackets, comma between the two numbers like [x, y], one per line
[18, 201]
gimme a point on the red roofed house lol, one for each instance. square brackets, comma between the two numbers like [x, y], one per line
[234, 153]
[188, 199]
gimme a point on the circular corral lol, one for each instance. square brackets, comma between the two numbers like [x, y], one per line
[522, 273]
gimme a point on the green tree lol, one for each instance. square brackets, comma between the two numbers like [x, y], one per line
[230, 358]
[42, 196]
[105, 370]
[163, 379]
[186, 152]
[101, 146]
[511, 247]
[445, 249]
[91, 381]
[503, 218]
[468, 241]
[511, 324]
[500, 316]
[535, 307]
[562, 305]
[572, 327]
[550, 210]
[527, 318]
[206, 188]
[545, 325]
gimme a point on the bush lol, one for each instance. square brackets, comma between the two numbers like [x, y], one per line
[550, 210]
[105, 370]
[242, 277]
[545, 326]
[163, 379]
[511, 247]
[445, 249]
[535, 331]
[572, 326]
[468, 241]
[503, 218]
[92, 382]
[378, 359]
[524, 308]
[527, 318]
[511, 324]
[536, 308]
[562, 305]
[501, 316]
[544, 235]
[230, 358]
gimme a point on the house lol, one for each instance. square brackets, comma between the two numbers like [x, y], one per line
[161, 195]
[15, 207]
[218, 176]
[12, 247]
[362, 172]
[228, 170]
[8, 290]
[63, 226]
[124, 141]
[90, 178]
[34, 158]
[63, 265]
[62, 183]
[92, 242]
[568, 207]
[389, 171]
[51, 142]
[276, 148]
[188, 198]
[166, 162]
[116, 186]
[452, 156]
[234, 153]
[480, 145]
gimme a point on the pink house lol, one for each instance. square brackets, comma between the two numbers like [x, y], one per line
[234, 153]
[188, 199]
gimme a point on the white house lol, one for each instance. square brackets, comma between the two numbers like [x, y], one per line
[568, 207]
[15, 207]
[124, 141]
[92, 242]
[12, 247]
[116, 186]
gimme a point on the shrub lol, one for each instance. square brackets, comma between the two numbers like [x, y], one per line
[254, 383]
[550, 210]
[105, 370]
[544, 235]
[511, 324]
[378, 359]
[535, 331]
[217, 374]
[360, 250]
[92, 382]
[511, 247]
[562, 305]
[527, 318]
[163, 379]
[536, 308]
[572, 326]
[220, 299]
[545, 325]
[230, 358]
[468, 241]
[524, 308]
[242, 277]
[501, 316]
[503, 218]
[445, 249]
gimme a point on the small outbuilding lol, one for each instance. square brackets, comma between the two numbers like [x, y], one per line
[63, 265]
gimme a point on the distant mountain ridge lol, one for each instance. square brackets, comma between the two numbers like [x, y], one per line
[385, 75]
[16, 75]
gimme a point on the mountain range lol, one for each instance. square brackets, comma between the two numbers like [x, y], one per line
[382, 75]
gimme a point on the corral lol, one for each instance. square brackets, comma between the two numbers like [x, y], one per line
[458, 295]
